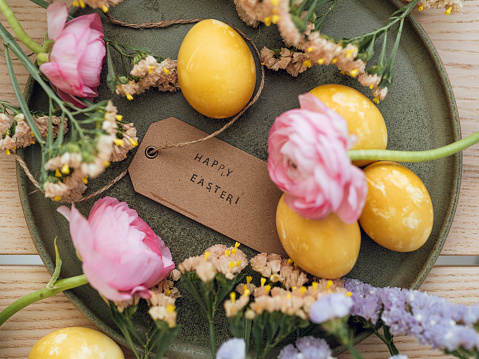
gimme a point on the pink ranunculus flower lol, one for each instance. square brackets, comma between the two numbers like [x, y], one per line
[121, 254]
[77, 55]
[308, 161]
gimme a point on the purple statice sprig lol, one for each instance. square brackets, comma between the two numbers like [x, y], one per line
[367, 309]
[234, 348]
[432, 320]
[307, 348]
[332, 312]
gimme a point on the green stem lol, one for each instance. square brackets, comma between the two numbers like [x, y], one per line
[353, 350]
[21, 99]
[247, 332]
[404, 12]
[18, 29]
[415, 156]
[390, 341]
[60, 286]
[211, 327]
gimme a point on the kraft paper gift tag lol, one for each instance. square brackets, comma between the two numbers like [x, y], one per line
[211, 182]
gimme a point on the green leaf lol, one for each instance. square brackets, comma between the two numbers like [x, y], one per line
[120, 322]
[190, 287]
[166, 338]
[389, 69]
[258, 332]
[42, 3]
[111, 78]
[21, 98]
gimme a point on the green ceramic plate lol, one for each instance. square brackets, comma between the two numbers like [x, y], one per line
[420, 113]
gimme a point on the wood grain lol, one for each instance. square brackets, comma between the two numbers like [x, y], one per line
[456, 39]
[20, 332]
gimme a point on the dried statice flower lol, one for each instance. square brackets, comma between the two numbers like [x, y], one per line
[292, 277]
[206, 271]
[294, 62]
[216, 259]
[164, 313]
[451, 6]
[280, 270]
[174, 275]
[227, 261]
[211, 277]
[16, 133]
[266, 264]
[99, 159]
[307, 348]
[162, 301]
[73, 163]
[151, 73]
[121, 306]
[330, 307]
[234, 348]
[166, 287]
[96, 4]
[242, 288]
[125, 141]
[6, 122]
[244, 16]
[257, 10]
[125, 133]
[68, 188]
[190, 264]
[300, 28]
[233, 305]
[129, 89]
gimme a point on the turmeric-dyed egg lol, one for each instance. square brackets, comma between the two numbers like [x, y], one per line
[398, 213]
[326, 248]
[76, 343]
[363, 117]
[216, 69]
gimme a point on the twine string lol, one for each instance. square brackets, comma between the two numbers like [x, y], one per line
[155, 150]
[110, 184]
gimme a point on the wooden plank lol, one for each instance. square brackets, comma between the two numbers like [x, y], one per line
[19, 334]
[14, 235]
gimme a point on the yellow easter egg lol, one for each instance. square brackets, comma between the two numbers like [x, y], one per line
[216, 69]
[76, 343]
[398, 213]
[363, 117]
[327, 248]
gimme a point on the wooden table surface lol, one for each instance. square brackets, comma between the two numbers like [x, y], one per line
[456, 38]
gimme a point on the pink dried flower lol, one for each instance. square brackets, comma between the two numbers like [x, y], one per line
[121, 254]
[76, 58]
[308, 160]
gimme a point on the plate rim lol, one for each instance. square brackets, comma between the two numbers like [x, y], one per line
[421, 275]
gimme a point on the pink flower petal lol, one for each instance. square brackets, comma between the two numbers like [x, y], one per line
[308, 160]
[121, 253]
[77, 56]
[57, 15]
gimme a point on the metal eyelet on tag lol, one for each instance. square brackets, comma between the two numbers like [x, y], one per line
[151, 152]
